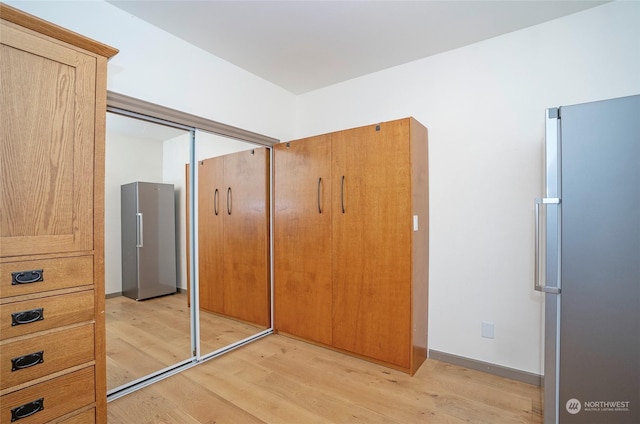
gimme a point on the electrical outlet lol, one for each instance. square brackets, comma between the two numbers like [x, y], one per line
[487, 330]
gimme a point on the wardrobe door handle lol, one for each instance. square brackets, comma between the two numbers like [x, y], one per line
[319, 205]
[229, 201]
[215, 201]
[342, 194]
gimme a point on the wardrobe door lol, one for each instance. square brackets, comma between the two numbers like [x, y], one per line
[371, 260]
[302, 238]
[48, 105]
[210, 233]
[246, 236]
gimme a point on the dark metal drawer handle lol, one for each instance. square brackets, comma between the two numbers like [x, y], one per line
[27, 277]
[26, 361]
[27, 317]
[27, 410]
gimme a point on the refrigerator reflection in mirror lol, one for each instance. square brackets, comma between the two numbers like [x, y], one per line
[146, 335]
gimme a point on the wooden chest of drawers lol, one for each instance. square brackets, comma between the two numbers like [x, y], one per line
[47, 339]
[52, 126]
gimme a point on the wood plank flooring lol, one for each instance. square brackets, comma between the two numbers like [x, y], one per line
[281, 380]
[150, 335]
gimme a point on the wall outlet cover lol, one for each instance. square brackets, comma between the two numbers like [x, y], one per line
[487, 330]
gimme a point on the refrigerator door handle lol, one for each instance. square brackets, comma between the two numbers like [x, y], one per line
[140, 231]
[537, 285]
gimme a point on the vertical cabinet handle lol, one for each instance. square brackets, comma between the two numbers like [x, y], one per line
[140, 230]
[215, 202]
[27, 410]
[319, 204]
[229, 201]
[342, 194]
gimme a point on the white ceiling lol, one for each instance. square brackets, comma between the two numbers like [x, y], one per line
[306, 45]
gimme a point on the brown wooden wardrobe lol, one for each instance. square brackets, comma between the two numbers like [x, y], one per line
[233, 235]
[351, 235]
[52, 340]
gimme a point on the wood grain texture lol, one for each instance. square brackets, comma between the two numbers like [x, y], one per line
[246, 236]
[372, 242]
[47, 154]
[211, 214]
[233, 244]
[85, 417]
[359, 268]
[58, 273]
[98, 239]
[281, 380]
[419, 242]
[60, 349]
[62, 395]
[150, 335]
[57, 311]
[52, 199]
[302, 238]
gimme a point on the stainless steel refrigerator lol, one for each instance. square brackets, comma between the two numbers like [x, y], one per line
[148, 240]
[588, 262]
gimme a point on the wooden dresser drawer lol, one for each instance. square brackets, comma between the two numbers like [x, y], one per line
[26, 277]
[86, 417]
[29, 358]
[30, 316]
[51, 399]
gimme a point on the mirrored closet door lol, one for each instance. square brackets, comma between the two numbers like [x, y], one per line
[232, 234]
[187, 241]
[147, 315]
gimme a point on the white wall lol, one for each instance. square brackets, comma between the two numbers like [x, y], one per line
[484, 108]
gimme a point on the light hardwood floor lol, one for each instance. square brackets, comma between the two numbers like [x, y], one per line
[150, 335]
[281, 380]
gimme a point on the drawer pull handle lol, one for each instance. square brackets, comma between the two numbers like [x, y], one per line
[27, 277]
[26, 361]
[27, 410]
[27, 317]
